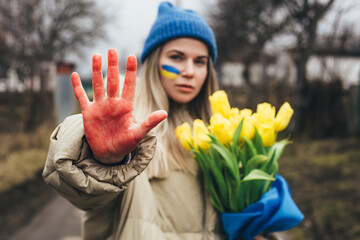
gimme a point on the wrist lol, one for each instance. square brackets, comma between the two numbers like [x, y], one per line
[114, 160]
[126, 159]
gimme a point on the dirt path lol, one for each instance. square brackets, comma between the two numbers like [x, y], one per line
[58, 220]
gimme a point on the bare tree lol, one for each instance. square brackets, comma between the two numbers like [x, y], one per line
[344, 37]
[306, 16]
[244, 27]
[37, 31]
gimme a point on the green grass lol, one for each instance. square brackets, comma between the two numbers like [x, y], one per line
[323, 178]
[11, 118]
[22, 156]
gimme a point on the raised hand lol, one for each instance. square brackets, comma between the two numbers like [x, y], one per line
[110, 128]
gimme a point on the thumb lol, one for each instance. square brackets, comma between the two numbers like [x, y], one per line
[149, 123]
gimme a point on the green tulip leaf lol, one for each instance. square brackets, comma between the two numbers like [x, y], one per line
[258, 143]
[240, 193]
[250, 148]
[236, 135]
[279, 148]
[217, 176]
[274, 154]
[229, 160]
[216, 203]
[257, 174]
[231, 203]
[240, 156]
[216, 157]
[272, 172]
[254, 162]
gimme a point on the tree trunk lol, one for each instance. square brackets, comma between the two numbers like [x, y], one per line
[40, 102]
[300, 97]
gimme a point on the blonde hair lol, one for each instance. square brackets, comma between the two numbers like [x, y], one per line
[150, 97]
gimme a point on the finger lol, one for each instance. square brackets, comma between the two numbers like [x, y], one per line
[130, 79]
[149, 123]
[113, 74]
[79, 91]
[97, 78]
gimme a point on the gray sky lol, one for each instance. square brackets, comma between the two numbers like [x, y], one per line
[131, 21]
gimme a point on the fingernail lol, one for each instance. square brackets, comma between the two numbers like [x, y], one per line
[131, 63]
[96, 62]
[112, 57]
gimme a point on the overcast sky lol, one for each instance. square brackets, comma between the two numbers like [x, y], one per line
[130, 24]
[131, 21]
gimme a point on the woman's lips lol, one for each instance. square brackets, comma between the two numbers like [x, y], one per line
[185, 88]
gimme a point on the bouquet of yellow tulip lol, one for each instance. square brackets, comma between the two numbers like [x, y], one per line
[238, 155]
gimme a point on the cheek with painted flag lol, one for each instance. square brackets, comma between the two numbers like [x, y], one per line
[169, 71]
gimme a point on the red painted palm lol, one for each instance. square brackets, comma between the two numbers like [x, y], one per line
[109, 125]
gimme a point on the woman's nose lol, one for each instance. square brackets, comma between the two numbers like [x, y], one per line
[189, 69]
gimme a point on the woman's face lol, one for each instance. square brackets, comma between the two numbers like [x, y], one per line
[191, 58]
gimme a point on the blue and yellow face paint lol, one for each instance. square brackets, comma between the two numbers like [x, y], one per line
[169, 72]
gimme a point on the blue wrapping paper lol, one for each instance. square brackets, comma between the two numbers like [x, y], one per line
[275, 211]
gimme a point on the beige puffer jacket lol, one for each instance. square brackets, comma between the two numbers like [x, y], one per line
[120, 202]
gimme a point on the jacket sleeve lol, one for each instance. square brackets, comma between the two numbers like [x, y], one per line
[72, 171]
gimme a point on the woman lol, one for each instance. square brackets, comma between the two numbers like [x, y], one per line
[131, 184]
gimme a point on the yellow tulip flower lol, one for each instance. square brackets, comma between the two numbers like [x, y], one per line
[183, 133]
[283, 117]
[234, 113]
[248, 128]
[245, 113]
[237, 115]
[234, 117]
[267, 134]
[200, 135]
[265, 114]
[220, 103]
[222, 128]
[264, 119]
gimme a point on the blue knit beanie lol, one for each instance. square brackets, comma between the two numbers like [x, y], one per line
[173, 22]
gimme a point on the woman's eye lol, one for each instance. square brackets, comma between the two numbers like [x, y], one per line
[200, 62]
[175, 57]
